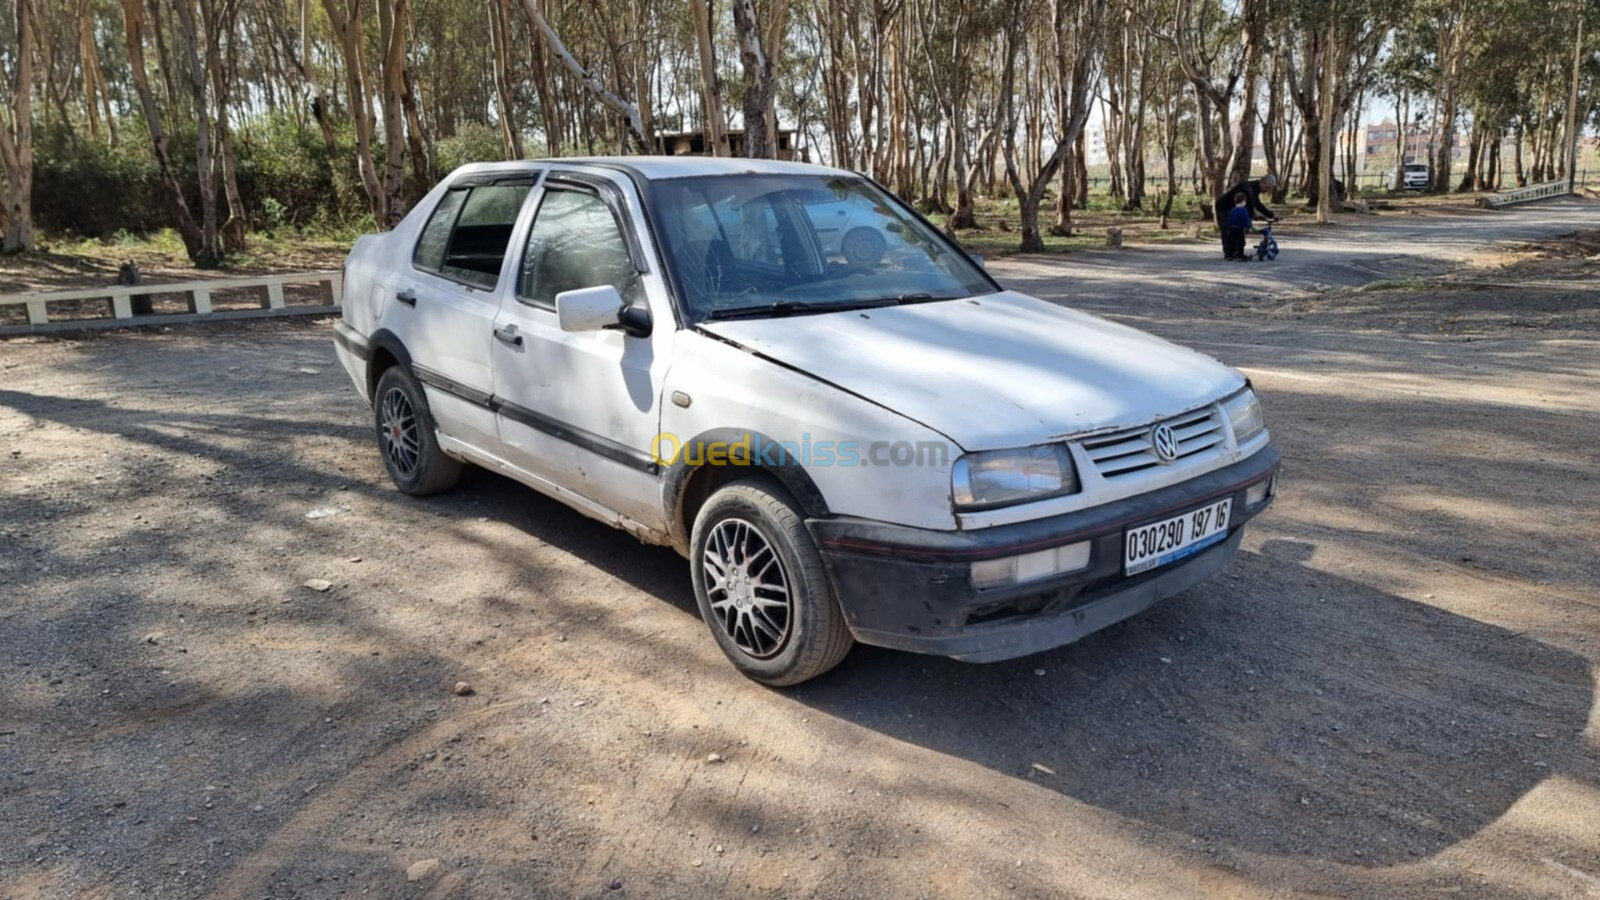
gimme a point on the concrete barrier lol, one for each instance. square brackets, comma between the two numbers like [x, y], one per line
[1523, 195]
[119, 298]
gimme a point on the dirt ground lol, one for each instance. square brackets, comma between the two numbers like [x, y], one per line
[1390, 693]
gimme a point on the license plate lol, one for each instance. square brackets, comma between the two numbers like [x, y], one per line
[1159, 543]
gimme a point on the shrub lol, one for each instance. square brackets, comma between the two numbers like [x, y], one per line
[472, 142]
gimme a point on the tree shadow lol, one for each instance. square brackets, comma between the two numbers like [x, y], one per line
[1275, 710]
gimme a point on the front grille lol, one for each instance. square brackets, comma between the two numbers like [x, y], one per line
[1124, 453]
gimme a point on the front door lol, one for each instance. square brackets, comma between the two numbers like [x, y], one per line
[581, 408]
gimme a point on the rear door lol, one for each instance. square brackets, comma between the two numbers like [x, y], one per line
[444, 303]
[582, 408]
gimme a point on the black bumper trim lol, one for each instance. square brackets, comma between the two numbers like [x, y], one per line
[1046, 632]
[351, 340]
[911, 589]
[860, 537]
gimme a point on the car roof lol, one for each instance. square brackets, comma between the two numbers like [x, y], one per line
[656, 168]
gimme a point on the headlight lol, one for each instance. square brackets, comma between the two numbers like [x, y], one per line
[1244, 412]
[1000, 477]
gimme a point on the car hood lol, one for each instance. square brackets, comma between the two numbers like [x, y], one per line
[1002, 370]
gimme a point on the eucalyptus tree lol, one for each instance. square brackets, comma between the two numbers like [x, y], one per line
[16, 132]
[1072, 36]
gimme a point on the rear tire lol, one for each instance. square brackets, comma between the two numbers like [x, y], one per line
[408, 438]
[762, 588]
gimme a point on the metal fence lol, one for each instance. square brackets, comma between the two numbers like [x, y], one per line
[1366, 181]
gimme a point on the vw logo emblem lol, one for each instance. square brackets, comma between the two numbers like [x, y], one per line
[1164, 442]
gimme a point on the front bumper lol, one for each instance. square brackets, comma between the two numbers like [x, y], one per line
[910, 588]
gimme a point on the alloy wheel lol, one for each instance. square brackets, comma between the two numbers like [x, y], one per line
[397, 432]
[747, 588]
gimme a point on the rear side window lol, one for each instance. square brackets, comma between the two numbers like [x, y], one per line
[476, 226]
[429, 254]
[575, 243]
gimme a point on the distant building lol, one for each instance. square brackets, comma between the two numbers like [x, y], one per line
[695, 143]
[1379, 141]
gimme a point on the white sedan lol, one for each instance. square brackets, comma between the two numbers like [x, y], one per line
[882, 446]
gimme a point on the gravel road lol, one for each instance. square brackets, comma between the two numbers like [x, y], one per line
[1391, 691]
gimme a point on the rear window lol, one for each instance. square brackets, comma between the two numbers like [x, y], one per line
[466, 237]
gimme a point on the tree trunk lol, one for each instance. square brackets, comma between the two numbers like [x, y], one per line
[1325, 135]
[221, 69]
[1273, 124]
[500, 45]
[1254, 37]
[628, 111]
[194, 74]
[1402, 139]
[1492, 181]
[710, 89]
[392, 44]
[554, 124]
[1522, 176]
[1474, 148]
[758, 84]
[1076, 71]
[16, 142]
[133, 30]
[772, 43]
[1135, 135]
[1169, 150]
[319, 97]
[347, 28]
[1452, 39]
[1574, 125]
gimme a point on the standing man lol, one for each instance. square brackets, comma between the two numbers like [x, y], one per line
[1252, 193]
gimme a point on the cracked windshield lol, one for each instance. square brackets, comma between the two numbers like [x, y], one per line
[751, 246]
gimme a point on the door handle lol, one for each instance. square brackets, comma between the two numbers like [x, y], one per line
[509, 335]
[407, 296]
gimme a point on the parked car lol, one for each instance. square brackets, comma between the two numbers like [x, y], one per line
[884, 447]
[1414, 177]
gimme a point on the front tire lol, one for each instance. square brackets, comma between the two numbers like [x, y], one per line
[761, 586]
[407, 437]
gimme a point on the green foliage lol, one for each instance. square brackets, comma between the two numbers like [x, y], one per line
[472, 142]
[289, 164]
[88, 188]
[287, 180]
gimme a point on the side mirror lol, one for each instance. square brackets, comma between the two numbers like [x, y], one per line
[588, 309]
[600, 307]
[977, 258]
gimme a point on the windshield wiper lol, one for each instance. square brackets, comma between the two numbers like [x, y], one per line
[792, 307]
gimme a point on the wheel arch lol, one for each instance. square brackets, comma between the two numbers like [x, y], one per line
[688, 485]
[387, 351]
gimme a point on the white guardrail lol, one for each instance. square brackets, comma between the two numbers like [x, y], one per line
[1531, 192]
[197, 295]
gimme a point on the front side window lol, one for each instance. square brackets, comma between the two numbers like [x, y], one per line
[466, 237]
[758, 245]
[575, 243]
